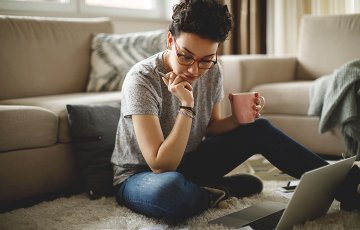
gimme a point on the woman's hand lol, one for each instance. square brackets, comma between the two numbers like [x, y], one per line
[179, 88]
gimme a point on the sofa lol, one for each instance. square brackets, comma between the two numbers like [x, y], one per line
[45, 64]
[325, 44]
[50, 66]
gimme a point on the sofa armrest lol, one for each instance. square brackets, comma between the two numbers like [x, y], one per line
[243, 72]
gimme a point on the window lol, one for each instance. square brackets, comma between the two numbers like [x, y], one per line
[124, 8]
[137, 4]
[50, 1]
[160, 9]
[39, 5]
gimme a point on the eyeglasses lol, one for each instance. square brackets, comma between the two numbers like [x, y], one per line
[188, 60]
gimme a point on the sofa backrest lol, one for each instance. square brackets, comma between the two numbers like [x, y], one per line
[326, 43]
[46, 56]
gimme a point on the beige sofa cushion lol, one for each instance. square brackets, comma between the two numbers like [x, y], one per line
[30, 172]
[305, 129]
[24, 127]
[46, 56]
[290, 98]
[327, 42]
[57, 104]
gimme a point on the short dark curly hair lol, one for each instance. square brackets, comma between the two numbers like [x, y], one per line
[207, 18]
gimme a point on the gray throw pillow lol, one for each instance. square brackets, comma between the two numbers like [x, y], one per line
[112, 56]
[93, 130]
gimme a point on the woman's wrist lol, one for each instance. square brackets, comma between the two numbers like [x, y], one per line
[186, 113]
[188, 104]
[188, 108]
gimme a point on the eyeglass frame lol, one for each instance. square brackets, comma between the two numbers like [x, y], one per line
[178, 54]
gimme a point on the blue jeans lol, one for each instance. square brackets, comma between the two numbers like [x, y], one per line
[178, 195]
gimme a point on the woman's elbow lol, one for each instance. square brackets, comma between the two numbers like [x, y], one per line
[161, 165]
[162, 169]
[158, 171]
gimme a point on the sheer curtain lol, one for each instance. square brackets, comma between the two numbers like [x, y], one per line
[283, 20]
[249, 32]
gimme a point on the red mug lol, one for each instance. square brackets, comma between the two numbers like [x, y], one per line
[244, 106]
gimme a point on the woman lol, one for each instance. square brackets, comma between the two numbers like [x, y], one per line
[172, 147]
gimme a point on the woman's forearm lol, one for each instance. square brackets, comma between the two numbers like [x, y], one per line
[223, 125]
[172, 149]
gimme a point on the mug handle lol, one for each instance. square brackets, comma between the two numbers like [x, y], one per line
[262, 102]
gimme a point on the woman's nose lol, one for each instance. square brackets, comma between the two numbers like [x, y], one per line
[194, 68]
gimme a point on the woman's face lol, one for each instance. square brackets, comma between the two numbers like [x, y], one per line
[188, 48]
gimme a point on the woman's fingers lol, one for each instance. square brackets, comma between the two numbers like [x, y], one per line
[188, 86]
[165, 80]
[257, 108]
[182, 85]
[177, 80]
[173, 81]
[168, 78]
[171, 76]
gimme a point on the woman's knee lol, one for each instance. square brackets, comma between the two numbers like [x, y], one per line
[167, 195]
[263, 126]
[262, 122]
[181, 197]
[153, 185]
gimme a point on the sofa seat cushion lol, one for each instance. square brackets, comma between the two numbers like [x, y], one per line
[290, 98]
[296, 126]
[57, 104]
[24, 127]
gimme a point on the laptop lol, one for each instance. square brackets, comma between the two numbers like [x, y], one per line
[312, 198]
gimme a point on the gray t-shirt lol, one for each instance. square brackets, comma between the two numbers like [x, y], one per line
[144, 92]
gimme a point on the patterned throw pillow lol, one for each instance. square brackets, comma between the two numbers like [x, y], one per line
[114, 54]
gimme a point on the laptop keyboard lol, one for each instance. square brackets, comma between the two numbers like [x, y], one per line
[268, 222]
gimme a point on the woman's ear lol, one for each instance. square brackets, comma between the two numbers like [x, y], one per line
[169, 40]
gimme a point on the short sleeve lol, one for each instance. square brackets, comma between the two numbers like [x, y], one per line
[139, 96]
[219, 89]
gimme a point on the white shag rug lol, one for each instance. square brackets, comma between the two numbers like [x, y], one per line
[78, 212]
